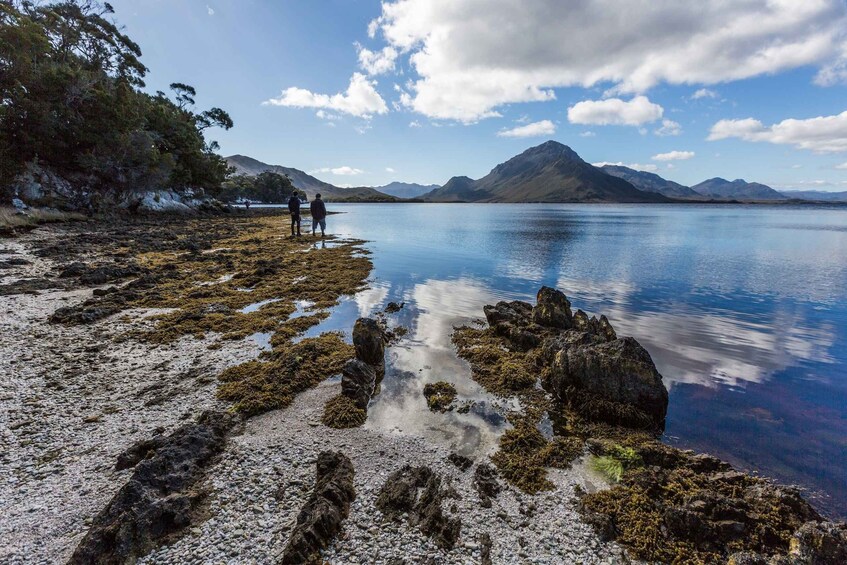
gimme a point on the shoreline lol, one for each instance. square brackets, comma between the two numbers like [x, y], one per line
[79, 387]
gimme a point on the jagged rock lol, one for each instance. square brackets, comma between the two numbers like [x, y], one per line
[460, 461]
[393, 307]
[819, 543]
[369, 341]
[139, 451]
[512, 320]
[416, 492]
[552, 309]
[75, 315]
[319, 521]
[358, 380]
[160, 496]
[619, 371]
[485, 482]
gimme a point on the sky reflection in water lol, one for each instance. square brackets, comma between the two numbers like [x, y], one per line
[742, 308]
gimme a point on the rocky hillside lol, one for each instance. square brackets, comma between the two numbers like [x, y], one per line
[650, 182]
[550, 172]
[406, 189]
[306, 182]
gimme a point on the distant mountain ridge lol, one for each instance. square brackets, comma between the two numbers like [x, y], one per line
[303, 181]
[406, 189]
[550, 172]
[738, 189]
[651, 182]
[819, 195]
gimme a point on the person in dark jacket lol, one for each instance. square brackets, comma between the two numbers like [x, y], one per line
[294, 208]
[318, 210]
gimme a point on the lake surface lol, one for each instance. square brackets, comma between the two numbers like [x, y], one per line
[743, 308]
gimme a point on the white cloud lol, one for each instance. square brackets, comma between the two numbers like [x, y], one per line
[637, 166]
[210, 10]
[842, 166]
[544, 127]
[389, 170]
[614, 111]
[340, 171]
[673, 156]
[377, 62]
[415, 124]
[456, 47]
[823, 134]
[361, 99]
[324, 115]
[588, 134]
[704, 93]
[669, 127]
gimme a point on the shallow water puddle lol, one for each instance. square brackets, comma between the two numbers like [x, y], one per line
[256, 305]
[221, 280]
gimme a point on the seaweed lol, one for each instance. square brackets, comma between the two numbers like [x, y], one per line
[340, 412]
[439, 396]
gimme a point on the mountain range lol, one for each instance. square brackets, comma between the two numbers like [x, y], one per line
[550, 172]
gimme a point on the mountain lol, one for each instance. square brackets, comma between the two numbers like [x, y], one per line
[550, 172]
[302, 181]
[406, 189]
[738, 189]
[650, 182]
[818, 195]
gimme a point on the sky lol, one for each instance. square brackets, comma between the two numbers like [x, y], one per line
[362, 92]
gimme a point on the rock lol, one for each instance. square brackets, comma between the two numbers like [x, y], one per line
[358, 380]
[512, 320]
[485, 482]
[552, 309]
[746, 558]
[819, 543]
[160, 497]
[439, 396]
[485, 549]
[139, 451]
[369, 341]
[319, 521]
[416, 492]
[619, 372]
[460, 461]
[393, 307]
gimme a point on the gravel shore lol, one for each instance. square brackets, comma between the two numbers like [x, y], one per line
[73, 398]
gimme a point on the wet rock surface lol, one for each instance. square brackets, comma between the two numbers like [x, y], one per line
[369, 341]
[358, 380]
[160, 497]
[319, 521]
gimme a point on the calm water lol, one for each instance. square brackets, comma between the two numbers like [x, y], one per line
[743, 308]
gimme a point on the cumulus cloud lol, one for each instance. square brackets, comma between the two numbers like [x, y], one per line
[637, 166]
[614, 111]
[673, 156]
[704, 93]
[361, 99]
[389, 170]
[669, 127]
[544, 127]
[456, 47]
[340, 171]
[210, 10]
[324, 115]
[842, 166]
[377, 62]
[823, 134]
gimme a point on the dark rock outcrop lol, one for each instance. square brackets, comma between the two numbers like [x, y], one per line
[485, 482]
[552, 309]
[369, 341]
[319, 521]
[160, 497]
[358, 380]
[417, 492]
[463, 463]
[618, 371]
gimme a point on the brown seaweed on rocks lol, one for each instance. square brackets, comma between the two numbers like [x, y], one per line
[668, 506]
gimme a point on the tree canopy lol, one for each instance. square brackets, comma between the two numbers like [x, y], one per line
[71, 100]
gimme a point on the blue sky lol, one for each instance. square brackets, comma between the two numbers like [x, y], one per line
[441, 88]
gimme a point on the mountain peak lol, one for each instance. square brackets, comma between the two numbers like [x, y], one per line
[552, 149]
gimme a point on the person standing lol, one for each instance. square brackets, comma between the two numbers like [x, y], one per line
[318, 210]
[294, 208]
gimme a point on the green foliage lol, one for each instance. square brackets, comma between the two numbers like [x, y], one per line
[270, 188]
[70, 100]
[615, 462]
